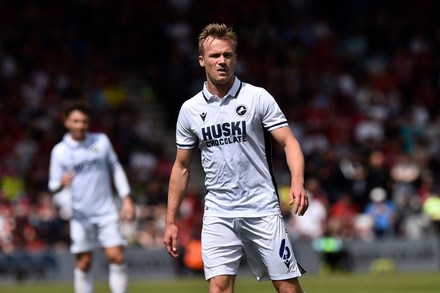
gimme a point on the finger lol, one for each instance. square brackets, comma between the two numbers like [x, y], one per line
[301, 205]
[175, 252]
[304, 205]
[296, 208]
[167, 243]
[174, 245]
[298, 203]
[172, 250]
[291, 199]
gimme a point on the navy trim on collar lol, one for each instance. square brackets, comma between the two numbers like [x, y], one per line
[236, 93]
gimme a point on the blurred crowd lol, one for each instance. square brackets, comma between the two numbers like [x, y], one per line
[358, 80]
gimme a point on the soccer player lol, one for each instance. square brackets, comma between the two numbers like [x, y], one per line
[86, 164]
[230, 122]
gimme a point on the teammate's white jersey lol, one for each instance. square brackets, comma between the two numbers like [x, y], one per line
[93, 163]
[233, 136]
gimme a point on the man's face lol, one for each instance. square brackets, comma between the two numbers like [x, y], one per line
[219, 60]
[77, 123]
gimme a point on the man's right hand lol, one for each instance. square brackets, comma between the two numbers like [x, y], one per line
[170, 240]
[67, 179]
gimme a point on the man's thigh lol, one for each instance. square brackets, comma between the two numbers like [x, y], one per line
[221, 247]
[109, 234]
[268, 248]
[83, 236]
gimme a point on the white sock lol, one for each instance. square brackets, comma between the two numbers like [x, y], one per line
[118, 279]
[83, 282]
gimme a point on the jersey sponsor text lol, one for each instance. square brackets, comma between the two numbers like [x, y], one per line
[225, 133]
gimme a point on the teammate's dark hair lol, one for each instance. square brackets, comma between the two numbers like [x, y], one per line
[79, 105]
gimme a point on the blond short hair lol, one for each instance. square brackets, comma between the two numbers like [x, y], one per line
[217, 31]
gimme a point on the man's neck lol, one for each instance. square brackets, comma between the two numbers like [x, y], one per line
[220, 90]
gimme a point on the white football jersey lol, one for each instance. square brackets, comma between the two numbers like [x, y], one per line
[94, 164]
[233, 135]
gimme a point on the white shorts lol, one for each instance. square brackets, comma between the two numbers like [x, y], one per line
[263, 241]
[87, 236]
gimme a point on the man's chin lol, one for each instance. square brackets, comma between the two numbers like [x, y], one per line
[79, 136]
[222, 80]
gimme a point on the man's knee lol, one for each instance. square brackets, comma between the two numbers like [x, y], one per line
[222, 284]
[84, 261]
[287, 286]
[115, 255]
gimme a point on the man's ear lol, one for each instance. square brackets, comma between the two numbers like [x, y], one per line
[201, 61]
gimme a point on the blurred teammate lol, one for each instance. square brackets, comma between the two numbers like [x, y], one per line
[86, 164]
[230, 122]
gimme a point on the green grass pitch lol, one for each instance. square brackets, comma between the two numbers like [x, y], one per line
[423, 282]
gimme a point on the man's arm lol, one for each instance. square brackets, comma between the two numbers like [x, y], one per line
[295, 162]
[120, 180]
[128, 212]
[176, 191]
[58, 178]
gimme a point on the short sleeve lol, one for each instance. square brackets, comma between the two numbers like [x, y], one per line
[185, 136]
[272, 115]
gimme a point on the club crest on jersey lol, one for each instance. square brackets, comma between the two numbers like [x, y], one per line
[241, 110]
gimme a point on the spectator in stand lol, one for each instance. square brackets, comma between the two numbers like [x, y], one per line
[378, 172]
[405, 175]
[354, 173]
[370, 131]
[431, 208]
[7, 227]
[383, 212]
[364, 227]
[342, 215]
[49, 225]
